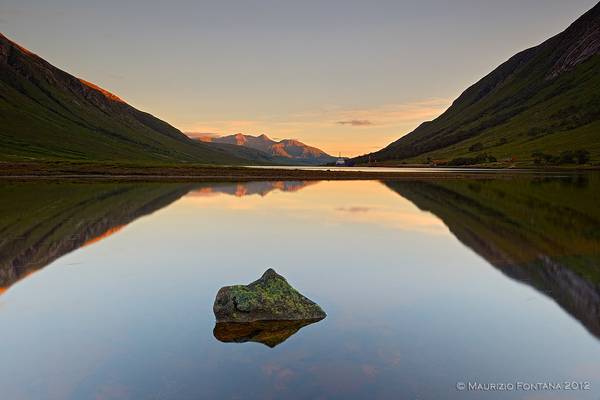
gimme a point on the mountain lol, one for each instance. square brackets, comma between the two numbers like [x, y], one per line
[48, 114]
[542, 102]
[262, 143]
[284, 151]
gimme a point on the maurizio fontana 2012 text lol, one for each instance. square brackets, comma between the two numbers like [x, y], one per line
[523, 386]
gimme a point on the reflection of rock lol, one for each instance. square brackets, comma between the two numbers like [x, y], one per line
[269, 333]
[269, 298]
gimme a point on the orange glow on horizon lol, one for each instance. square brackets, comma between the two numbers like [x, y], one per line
[349, 131]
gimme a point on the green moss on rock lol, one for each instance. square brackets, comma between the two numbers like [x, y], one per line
[269, 298]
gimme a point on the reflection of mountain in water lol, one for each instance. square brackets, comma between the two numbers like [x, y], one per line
[42, 221]
[269, 333]
[544, 232]
[249, 188]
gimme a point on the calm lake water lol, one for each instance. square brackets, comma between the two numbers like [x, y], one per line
[399, 170]
[107, 288]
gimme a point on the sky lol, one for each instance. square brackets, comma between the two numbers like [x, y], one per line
[346, 76]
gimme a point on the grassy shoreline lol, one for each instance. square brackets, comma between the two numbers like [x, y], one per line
[197, 172]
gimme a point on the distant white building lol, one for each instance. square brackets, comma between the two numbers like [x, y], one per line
[340, 162]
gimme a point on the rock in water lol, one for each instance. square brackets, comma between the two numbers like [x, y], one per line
[270, 298]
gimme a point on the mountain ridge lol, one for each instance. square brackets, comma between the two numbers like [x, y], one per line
[282, 150]
[544, 99]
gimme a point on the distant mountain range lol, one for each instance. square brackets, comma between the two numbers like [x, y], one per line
[47, 114]
[283, 151]
[241, 189]
[542, 106]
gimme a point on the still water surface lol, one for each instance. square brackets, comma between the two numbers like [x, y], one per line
[107, 289]
[402, 170]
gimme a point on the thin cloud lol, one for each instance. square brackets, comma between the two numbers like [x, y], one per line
[354, 209]
[356, 122]
[393, 114]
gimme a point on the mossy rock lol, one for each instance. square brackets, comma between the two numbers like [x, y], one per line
[271, 298]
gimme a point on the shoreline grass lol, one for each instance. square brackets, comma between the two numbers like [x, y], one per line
[200, 172]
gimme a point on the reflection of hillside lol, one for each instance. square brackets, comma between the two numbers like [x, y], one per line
[42, 221]
[39, 221]
[545, 233]
[249, 188]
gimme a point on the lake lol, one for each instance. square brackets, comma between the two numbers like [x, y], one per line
[433, 289]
